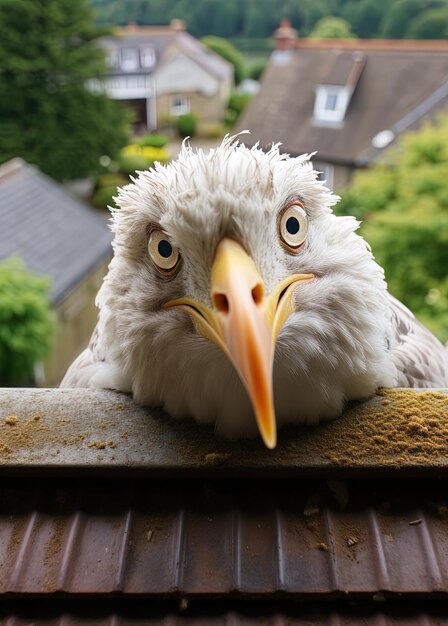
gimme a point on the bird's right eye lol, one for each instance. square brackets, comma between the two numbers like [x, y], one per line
[164, 255]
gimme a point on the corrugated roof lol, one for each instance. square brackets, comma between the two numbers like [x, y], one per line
[53, 232]
[393, 83]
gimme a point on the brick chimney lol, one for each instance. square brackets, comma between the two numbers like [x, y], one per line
[178, 25]
[285, 36]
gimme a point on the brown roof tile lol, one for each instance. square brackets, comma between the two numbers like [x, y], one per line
[132, 548]
[221, 539]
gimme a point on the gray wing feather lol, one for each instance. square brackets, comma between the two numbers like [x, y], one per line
[95, 368]
[421, 359]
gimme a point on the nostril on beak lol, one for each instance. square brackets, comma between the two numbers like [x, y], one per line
[221, 302]
[258, 293]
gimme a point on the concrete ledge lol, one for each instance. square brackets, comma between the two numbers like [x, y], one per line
[71, 431]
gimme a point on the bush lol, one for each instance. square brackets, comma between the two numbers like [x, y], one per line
[132, 158]
[27, 325]
[236, 105]
[106, 188]
[212, 131]
[128, 164]
[154, 141]
[147, 155]
[404, 205]
[257, 69]
[187, 125]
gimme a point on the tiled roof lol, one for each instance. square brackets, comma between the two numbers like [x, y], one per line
[113, 541]
[218, 539]
[394, 82]
[161, 39]
[53, 232]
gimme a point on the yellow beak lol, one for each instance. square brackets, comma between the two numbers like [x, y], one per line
[244, 324]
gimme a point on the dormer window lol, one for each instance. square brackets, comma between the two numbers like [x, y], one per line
[331, 103]
[147, 57]
[129, 59]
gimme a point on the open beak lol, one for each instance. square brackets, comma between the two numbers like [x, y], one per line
[245, 323]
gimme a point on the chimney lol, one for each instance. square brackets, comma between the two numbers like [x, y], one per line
[285, 36]
[178, 25]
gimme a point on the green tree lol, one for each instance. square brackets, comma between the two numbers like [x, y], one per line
[332, 28]
[365, 17]
[48, 52]
[404, 205]
[228, 52]
[431, 24]
[399, 16]
[27, 325]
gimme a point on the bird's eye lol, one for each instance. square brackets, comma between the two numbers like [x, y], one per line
[293, 226]
[163, 254]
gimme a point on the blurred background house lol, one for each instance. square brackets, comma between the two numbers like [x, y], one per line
[163, 72]
[345, 99]
[57, 236]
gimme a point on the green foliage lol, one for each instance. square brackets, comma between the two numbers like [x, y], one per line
[404, 205]
[133, 157]
[238, 102]
[332, 28]
[154, 141]
[256, 69]
[48, 52]
[186, 125]
[106, 189]
[256, 20]
[228, 52]
[365, 16]
[398, 18]
[236, 105]
[26, 322]
[212, 131]
[430, 25]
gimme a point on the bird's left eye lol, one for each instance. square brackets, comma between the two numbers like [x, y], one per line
[293, 226]
[164, 255]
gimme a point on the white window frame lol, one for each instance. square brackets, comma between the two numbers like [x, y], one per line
[147, 57]
[129, 59]
[324, 113]
[179, 105]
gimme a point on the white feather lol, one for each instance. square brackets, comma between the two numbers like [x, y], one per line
[333, 348]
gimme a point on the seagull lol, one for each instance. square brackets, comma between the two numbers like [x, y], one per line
[237, 297]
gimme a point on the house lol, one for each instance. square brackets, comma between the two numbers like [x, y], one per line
[58, 236]
[346, 99]
[163, 72]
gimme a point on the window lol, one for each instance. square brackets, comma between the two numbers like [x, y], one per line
[147, 57]
[180, 105]
[129, 59]
[331, 103]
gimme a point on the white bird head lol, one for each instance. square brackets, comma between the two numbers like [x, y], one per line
[237, 297]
